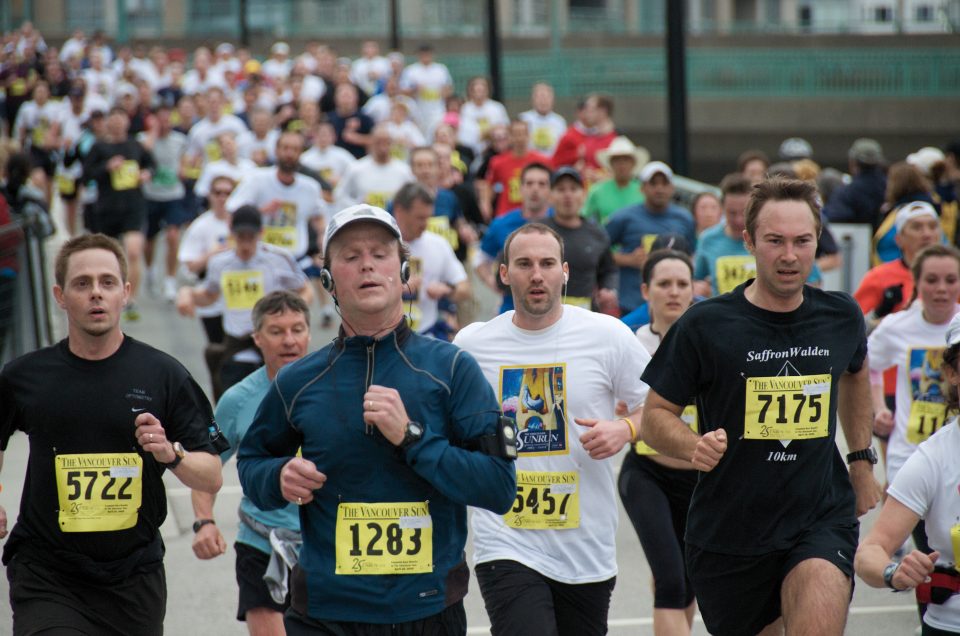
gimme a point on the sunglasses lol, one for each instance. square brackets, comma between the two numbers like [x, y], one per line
[221, 193]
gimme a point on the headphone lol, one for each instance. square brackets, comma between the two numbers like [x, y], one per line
[327, 282]
[566, 277]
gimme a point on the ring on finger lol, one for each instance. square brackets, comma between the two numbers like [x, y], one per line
[150, 437]
[299, 501]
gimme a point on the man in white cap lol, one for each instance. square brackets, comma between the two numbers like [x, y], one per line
[278, 66]
[398, 437]
[623, 161]
[635, 228]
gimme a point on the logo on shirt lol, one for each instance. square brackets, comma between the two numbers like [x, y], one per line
[535, 398]
[765, 355]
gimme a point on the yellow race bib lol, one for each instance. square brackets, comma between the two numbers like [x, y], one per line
[242, 289]
[126, 177]
[428, 94]
[441, 225]
[734, 270]
[647, 242]
[689, 417]
[384, 538]
[378, 199]
[98, 492]
[925, 419]
[280, 236]
[66, 185]
[513, 190]
[955, 540]
[787, 407]
[543, 139]
[545, 501]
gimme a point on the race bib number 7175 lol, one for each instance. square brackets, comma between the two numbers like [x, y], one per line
[787, 407]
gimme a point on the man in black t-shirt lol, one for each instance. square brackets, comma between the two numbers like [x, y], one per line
[105, 416]
[772, 528]
[119, 164]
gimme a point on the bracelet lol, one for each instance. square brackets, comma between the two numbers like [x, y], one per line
[633, 428]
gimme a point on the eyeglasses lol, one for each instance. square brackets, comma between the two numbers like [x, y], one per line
[221, 193]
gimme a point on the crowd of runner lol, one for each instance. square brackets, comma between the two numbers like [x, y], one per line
[691, 330]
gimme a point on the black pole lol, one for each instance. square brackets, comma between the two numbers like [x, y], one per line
[394, 25]
[244, 27]
[677, 87]
[493, 50]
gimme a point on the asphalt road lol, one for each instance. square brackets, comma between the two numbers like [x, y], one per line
[202, 594]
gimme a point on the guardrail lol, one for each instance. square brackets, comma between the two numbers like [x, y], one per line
[24, 291]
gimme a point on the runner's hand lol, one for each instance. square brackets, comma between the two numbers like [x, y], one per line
[209, 543]
[383, 408]
[298, 479]
[710, 449]
[153, 438]
[883, 422]
[865, 487]
[605, 437]
[915, 568]
[3, 522]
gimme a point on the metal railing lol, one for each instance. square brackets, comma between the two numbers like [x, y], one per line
[25, 323]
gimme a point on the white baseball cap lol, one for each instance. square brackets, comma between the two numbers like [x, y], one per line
[357, 213]
[926, 158]
[913, 210]
[655, 168]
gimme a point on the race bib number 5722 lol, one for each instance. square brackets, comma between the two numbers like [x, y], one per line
[98, 492]
[787, 407]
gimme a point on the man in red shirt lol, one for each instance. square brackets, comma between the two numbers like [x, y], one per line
[502, 178]
[593, 131]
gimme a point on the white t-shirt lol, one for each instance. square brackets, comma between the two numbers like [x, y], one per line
[365, 73]
[913, 345]
[248, 143]
[545, 130]
[203, 135]
[928, 484]
[649, 340]
[203, 236]
[222, 168]
[427, 84]
[431, 258]
[378, 107]
[192, 83]
[405, 137]
[330, 163]
[101, 82]
[367, 181]
[35, 121]
[576, 368]
[301, 201]
[277, 69]
[475, 120]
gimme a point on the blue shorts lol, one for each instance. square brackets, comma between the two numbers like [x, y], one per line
[160, 214]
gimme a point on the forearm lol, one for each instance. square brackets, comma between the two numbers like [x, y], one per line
[870, 562]
[855, 409]
[260, 479]
[877, 397]
[665, 432]
[485, 271]
[461, 291]
[202, 504]
[200, 471]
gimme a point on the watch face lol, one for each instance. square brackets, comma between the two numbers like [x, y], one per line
[415, 429]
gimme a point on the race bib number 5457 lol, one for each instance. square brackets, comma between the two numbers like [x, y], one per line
[787, 407]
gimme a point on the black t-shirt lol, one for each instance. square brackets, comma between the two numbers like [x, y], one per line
[587, 252]
[764, 494]
[79, 416]
[118, 193]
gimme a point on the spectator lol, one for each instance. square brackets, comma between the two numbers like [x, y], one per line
[623, 161]
[860, 201]
[905, 184]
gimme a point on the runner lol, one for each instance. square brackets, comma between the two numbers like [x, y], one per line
[386, 473]
[550, 562]
[656, 490]
[106, 415]
[281, 322]
[771, 363]
[374, 179]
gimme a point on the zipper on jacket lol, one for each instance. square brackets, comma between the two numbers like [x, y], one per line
[369, 379]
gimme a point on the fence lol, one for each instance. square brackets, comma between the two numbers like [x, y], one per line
[24, 290]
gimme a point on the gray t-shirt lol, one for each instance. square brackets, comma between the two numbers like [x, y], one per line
[165, 184]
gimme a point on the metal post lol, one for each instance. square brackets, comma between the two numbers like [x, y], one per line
[394, 25]
[244, 27]
[677, 83]
[846, 273]
[493, 50]
[122, 35]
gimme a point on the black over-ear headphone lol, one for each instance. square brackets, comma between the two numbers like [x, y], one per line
[327, 282]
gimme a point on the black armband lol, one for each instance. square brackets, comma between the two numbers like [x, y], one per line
[503, 443]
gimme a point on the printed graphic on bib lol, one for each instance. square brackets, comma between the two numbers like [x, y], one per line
[928, 387]
[126, 177]
[787, 407]
[98, 492]
[734, 270]
[689, 417]
[281, 227]
[441, 225]
[411, 302]
[543, 139]
[535, 397]
[242, 289]
[378, 199]
[545, 501]
[384, 538]
[647, 242]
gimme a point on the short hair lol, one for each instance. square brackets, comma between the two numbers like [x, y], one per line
[931, 251]
[223, 177]
[410, 193]
[536, 165]
[603, 101]
[531, 228]
[118, 110]
[782, 189]
[87, 242]
[427, 149]
[288, 131]
[657, 256]
[277, 302]
[751, 155]
[735, 183]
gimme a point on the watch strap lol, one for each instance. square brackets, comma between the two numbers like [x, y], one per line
[199, 523]
[178, 456]
[866, 454]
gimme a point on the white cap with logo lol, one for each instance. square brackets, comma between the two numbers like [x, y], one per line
[654, 168]
[361, 212]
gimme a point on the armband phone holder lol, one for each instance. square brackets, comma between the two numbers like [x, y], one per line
[503, 443]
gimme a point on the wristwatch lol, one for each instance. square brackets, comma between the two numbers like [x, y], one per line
[888, 573]
[867, 454]
[412, 434]
[178, 454]
[199, 523]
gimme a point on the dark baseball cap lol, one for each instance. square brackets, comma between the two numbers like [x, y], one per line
[569, 173]
[246, 219]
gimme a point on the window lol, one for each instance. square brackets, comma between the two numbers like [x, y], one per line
[882, 14]
[89, 16]
[805, 16]
[924, 13]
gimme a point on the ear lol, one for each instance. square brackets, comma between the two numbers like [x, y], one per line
[566, 272]
[645, 289]
[256, 339]
[748, 242]
[503, 274]
[58, 296]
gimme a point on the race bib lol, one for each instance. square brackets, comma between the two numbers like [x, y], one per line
[428, 94]
[66, 185]
[787, 407]
[734, 270]
[513, 190]
[98, 492]
[441, 225]
[19, 87]
[164, 177]
[545, 501]
[378, 199]
[126, 177]
[689, 417]
[384, 538]
[955, 540]
[281, 236]
[583, 302]
[212, 151]
[926, 418]
[39, 134]
[242, 289]
[647, 242]
[543, 139]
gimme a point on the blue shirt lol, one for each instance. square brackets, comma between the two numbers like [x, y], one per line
[234, 414]
[495, 237]
[636, 226]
